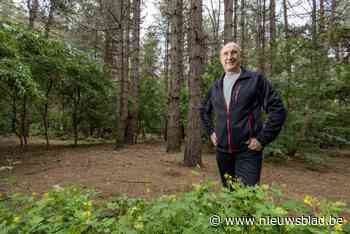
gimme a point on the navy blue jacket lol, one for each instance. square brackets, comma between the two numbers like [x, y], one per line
[251, 95]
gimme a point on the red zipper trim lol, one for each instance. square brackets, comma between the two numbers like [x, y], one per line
[250, 119]
[228, 117]
[237, 92]
[228, 114]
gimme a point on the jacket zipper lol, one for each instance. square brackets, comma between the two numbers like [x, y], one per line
[237, 92]
[228, 129]
[250, 125]
[228, 116]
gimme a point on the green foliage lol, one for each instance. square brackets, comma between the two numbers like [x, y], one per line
[73, 210]
[53, 74]
[212, 72]
[152, 104]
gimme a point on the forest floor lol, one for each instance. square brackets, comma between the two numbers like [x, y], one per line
[146, 170]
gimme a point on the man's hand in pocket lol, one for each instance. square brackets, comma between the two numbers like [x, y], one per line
[254, 144]
[213, 139]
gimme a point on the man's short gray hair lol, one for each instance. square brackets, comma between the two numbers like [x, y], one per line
[231, 43]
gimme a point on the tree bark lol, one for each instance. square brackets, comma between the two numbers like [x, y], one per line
[242, 42]
[192, 154]
[261, 35]
[228, 6]
[114, 10]
[75, 115]
[33, 8]
[322, 19]
[272, 35]
[235, 21]
[14, 114]
[50, 18]
[46, 112]
[125, 77]
[174, 129]
[166, 73]
[135, 75]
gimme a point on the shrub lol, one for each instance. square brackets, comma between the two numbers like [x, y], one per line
[74, 210]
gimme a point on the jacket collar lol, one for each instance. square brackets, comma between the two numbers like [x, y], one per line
[244, 74]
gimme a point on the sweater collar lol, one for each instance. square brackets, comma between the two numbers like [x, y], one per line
[244, 74]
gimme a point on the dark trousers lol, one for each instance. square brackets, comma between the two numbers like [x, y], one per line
[244, 166]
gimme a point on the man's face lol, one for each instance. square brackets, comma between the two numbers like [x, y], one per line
[230, 58]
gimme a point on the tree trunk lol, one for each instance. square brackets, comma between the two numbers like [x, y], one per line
[314, 24]
[33, 8]
[228, 6]
[49, 86]
[50, 19]
[272, 35]
[166, 74]
[243, 32]
[286, 32]
[192, 154]
[287, 54]
[262, 7]
[125, 77]
[114, 10]
[24, 122]
[258, 34]
[75, 116]
[235, 21]
[174, 130]
[14, 114]
[46, 112]
[135, 76]
[108, 20]
[322, 19]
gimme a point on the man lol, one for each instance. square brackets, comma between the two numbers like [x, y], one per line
[237, 99]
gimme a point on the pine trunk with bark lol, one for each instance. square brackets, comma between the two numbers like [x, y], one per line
[192, 154]
[272, 35]
[242, 39]
[287, 36]
[114, 13]
[50, 19]
[235, 21]
[166, 75]
[176, 53]
[135, 74]
[33, 9]
[125, 77]
[228, 26]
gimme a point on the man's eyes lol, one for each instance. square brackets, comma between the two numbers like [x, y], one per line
[233, 52]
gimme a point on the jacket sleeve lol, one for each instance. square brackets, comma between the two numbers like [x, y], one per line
[272, 104]
[206, 110]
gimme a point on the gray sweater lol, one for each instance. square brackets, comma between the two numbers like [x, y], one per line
[229, 81]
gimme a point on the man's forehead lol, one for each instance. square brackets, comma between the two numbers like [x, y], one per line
[230, 47]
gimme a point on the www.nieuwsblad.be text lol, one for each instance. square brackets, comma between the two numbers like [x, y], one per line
[216, 220]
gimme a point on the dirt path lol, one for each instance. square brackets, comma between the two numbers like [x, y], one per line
[146, 170]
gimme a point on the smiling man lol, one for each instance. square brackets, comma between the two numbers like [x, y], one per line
[239, 134]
